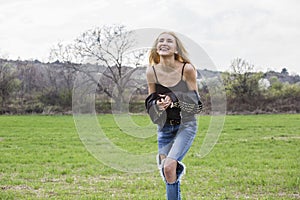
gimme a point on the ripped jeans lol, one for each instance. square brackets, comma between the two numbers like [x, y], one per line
[174, 141]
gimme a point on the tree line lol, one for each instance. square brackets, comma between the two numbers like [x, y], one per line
[105, 57]
[34, 87]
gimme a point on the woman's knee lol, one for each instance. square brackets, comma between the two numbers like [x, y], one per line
[170, 167]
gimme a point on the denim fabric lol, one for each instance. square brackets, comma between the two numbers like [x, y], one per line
[174, 141]
[173, 191]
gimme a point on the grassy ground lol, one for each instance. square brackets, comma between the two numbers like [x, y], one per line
[256, 157]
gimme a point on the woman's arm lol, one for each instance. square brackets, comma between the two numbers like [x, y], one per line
[154, 110]
[162, 101]
[150, 80]
[190, 76]
[190, 102]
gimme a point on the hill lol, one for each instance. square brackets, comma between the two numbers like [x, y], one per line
[37, 87]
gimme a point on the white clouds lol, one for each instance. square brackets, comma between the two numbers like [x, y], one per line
[265, 32]
[30, 28]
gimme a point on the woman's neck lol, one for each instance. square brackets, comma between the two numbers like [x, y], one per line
[167, 62]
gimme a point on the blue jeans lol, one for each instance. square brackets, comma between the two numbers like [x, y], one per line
[174, 141]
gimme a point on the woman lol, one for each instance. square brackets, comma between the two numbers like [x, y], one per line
[172, 103]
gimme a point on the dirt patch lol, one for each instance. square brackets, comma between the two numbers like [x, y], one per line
[1, 139]
[16, 187]
[292, 137]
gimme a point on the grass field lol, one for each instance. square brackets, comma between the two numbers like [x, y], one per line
[256, 157]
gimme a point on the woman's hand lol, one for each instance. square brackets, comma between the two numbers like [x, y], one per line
[164, 102]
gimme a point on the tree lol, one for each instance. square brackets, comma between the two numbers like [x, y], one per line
[107, 49]
[245, 83]
[284, 71]
[242, 86]
[8, 82]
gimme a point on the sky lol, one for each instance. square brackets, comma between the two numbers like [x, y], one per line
[265, 33]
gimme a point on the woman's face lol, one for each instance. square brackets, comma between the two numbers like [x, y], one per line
[166, 45]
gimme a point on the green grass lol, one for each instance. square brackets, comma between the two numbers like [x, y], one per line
[256, 157]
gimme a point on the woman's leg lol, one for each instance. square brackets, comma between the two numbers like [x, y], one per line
[172, 185]
[170, 170]
[165, 137]
[173, 169]
[183, 141]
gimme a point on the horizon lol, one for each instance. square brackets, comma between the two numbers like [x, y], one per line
[203, 69]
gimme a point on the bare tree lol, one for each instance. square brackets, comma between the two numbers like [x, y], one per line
[8, 82]
[64, 63]
[105, 51]
[241, 66]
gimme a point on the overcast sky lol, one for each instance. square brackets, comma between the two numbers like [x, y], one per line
[266, 33]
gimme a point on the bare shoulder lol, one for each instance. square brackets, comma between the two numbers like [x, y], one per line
[149, 70]
[190, 76]
[189, 67]
[150, 73]
[189, 70]
[150, 79]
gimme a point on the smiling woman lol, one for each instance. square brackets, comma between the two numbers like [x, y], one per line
[166, 45]
[168, 41]
[171, 81]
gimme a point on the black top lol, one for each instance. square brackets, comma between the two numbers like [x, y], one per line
[181, 86]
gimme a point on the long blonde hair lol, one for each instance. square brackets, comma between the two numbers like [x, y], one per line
[181, 56]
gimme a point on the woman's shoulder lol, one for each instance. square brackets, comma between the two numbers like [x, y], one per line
[189, 68]
[150, 74]
[149, 70]
[189, 73]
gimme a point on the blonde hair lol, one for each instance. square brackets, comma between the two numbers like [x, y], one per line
[181, 56]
